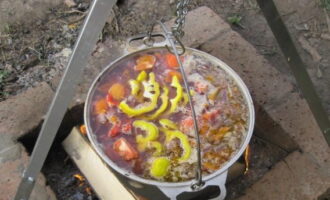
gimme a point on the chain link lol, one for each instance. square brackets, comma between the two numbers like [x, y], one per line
[181, 12]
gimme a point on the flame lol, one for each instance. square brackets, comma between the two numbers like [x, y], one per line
[83, 129]
[88, 190]
[80, 178]
[246, 158]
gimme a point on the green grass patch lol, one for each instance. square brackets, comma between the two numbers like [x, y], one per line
[325, 4]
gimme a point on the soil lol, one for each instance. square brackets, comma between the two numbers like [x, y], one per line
[32, 53]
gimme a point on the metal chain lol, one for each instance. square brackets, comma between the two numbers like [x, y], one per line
[181, 12]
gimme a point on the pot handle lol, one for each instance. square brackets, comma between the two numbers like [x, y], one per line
[220, 180]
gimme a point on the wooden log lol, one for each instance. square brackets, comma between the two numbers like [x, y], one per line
[104, 182]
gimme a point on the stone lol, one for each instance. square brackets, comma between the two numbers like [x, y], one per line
[202, 24]
[295, 117]
[294, 178]
[16, 11]
[11, 171]
[23, 112]
[266, 84]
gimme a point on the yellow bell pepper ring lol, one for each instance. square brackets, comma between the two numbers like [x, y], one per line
[142, 76]
[159, 167]
[135, 87]
[157, 146]
[168, 124]
[150, 129]
[179, 94]
[162, 108]
[170, 135]
[151, 91]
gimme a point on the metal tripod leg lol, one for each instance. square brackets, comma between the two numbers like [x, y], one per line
[91, 29]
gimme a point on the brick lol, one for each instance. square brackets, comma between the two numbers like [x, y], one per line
[23, 112]
[295, 117]
[294, 178]
[266, 84]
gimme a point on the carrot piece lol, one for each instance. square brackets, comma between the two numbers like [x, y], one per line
[171, 60]
[170, 74]
[143, 66]
[125, 149]
[100, 106]
[117, 91]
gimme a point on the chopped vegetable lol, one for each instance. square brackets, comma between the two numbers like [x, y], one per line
[142, 76]
[168, 124]
[171, 60]
[125, 149]
[117, 91]
[157, 146]
[111, 102]
[179, 93]
[185, 98]
[135, 87]
[162, 108]
[100, 106]
[145, 62]
[151, 133]
[185, 145]
[170, 74]
[127, 127]
[210, 115]
[159, 167]
[114, 130]
[213, 96]
[151, 91]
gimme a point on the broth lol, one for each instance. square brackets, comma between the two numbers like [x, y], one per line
[141, 117]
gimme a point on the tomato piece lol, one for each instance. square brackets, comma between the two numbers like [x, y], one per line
[114, 131]
[111, 102]
[143, 66]
[117, 91]
[100, 106]
[127, 127]
[145, 62]
[125, 149]
[171, 61]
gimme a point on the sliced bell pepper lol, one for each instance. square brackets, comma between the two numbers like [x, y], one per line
[162, 108]
[157, 146]
[135, 87]
[151, 132]
[168, 124]
[125, 149]
[185, 99]
[159, 167]
[179, 94]
[151, 91]
[142, 76]
[185, 145]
